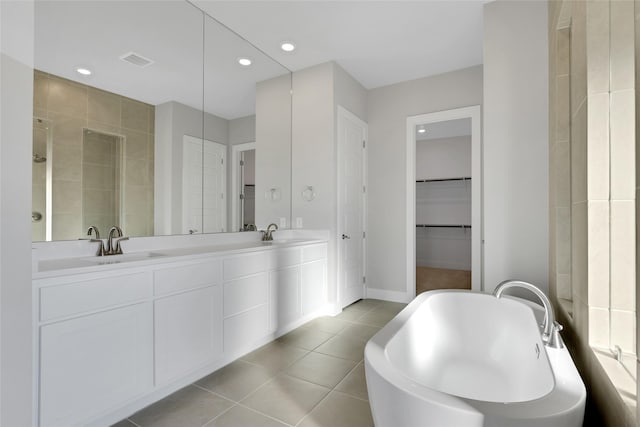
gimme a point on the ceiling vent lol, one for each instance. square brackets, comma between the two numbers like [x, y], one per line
[136, 59]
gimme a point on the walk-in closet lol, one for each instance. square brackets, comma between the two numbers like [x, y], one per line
[443, 205]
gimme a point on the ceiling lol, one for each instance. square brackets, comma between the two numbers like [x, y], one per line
[377, 42]
[446, 129]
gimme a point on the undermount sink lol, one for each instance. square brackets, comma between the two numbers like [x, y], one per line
[116, 259]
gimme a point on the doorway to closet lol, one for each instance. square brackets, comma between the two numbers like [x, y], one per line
[443, 179]
[443, 205]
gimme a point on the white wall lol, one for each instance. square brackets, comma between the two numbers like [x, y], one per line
[242, 130]
[317, 92]
[516, 217]
[16, 111]
[443, 157]
[387, 110]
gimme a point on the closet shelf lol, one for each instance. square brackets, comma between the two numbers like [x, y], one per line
[442, 226]
[463, 178]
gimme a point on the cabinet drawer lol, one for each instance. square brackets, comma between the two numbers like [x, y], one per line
[93, 294]
[314, 253]
[243, 294]
[244, 265]
[284, 258]
[170, 280]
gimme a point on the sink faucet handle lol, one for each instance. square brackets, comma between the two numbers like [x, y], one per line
[114, 233]
[118, 249]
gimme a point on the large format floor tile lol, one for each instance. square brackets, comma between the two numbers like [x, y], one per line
[286, 398]
[275, 355]
[321, 369]
[346, 348]
[339, 410]
[307, 339]
[236, 380]
[189, 407]
[312, 377]
[355, 383]
[239, 416]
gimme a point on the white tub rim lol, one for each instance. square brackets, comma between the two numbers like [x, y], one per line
[561, 399]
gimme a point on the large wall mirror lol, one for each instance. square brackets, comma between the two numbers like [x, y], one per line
[148, 116]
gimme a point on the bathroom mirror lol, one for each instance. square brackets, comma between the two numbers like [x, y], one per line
[137, 109]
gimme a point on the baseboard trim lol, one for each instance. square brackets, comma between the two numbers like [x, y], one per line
[383, 294]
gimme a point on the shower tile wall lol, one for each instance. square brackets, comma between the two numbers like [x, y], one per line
[101, 159]
[72, 107]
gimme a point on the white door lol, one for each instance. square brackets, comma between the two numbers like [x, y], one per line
[203, 186]
[352, 136]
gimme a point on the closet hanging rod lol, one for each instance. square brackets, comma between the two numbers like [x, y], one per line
[463, 178]
[442, 226]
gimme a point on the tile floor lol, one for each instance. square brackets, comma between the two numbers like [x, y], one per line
[310, 377]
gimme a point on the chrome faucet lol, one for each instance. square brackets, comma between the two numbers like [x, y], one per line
[267, 236]
[94, 229]
[115, 233]
[550, 328]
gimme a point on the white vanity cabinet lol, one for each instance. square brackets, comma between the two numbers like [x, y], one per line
[187, 318]
[113, 341]
[96, 353]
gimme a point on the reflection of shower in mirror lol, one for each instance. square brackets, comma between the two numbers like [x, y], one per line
[41, 180]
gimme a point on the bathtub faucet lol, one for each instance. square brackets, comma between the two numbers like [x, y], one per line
[550, 328]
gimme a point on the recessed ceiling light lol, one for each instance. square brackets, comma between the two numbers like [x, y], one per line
[421, 130]
[245, 62]
[288, 46]
[83, 71]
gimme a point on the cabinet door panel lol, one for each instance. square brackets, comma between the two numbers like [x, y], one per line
[243, 294]
[188, 332]
[242, 330]
[313, 283]
[284, 307]
[92, 364]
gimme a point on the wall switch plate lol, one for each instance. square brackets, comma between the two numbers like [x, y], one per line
[298, 222]
[283, 222]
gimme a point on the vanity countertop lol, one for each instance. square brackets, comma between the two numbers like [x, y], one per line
[67, 266]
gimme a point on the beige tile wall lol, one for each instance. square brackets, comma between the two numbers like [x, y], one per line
[72, 107]
[602, 139]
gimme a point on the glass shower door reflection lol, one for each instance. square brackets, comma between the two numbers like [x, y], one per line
[41, 181]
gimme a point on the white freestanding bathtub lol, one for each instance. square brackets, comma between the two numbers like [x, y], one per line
[461, 358]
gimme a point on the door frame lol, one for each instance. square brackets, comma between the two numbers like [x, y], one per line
[343, 113]
[474, 113]
[236, 151]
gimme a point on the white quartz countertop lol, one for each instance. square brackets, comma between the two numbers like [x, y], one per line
[67, 266]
